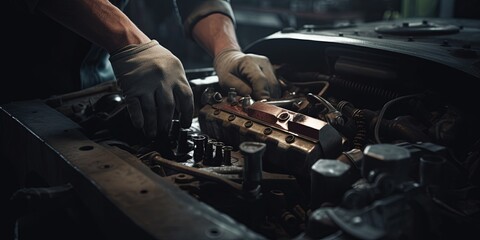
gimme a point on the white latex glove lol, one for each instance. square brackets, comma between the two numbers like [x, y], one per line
[153, 82]
[249, 74]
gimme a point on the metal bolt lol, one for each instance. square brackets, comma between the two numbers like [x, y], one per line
[283, 116]
[231, 117]
[385, 158]
[183, 178]
[218, 159]
[232, 95]
[227, 155]
[199, 148]
[217, 97]
[216, 112]
[247, 101]
[175, 129]
[267, 131]
[290, 139]
[182, 147]
[248, 124]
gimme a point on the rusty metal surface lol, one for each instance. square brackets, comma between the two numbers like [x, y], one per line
[125, 198]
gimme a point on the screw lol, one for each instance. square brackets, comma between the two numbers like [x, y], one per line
[290, 139]
[216, 112]
[217, 97]
[248, 124]
[247, 102]
[199, 148]
[231, 117]
[267, 131]
[283, 116]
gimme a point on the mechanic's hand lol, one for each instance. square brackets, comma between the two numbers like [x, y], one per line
[249, 74]
[153, 82]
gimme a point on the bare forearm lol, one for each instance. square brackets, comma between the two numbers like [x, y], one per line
[215, 33]
[98, 21]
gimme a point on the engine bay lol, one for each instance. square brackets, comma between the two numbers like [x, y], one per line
[374, 137]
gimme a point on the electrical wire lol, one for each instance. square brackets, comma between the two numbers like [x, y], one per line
[384, 109]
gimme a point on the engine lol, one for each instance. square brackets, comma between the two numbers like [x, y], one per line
[374, 136]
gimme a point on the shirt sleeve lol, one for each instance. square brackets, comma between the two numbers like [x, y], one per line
[192, 11]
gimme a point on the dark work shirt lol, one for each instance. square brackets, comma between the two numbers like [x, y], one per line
[43, 58]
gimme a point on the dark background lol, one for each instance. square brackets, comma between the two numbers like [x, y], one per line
[259, 18]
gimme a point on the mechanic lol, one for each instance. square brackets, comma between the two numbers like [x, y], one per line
[50, 56]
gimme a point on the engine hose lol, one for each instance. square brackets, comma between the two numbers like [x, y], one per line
[360, 137]
[358, 116]
[364, 88]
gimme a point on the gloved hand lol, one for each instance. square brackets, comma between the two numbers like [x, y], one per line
[153, 82]
[249, 74]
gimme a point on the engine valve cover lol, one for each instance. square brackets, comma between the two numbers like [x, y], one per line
[294, 141]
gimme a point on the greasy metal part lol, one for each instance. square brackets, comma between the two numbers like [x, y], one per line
[247, 101]
[333, 116]
[292, 145]
[125, 198]
[199, 148]
[218, 159]
[278, 208]
[210, 96]
[386, 158]
[252, 169]
[175, 130]
[196, 172]
[182, 147]
[353, 157]
[232, 96]
[330, 179]
[287, 103]
[227, 155]
[229, 176]
[208, 158]
[320, 225]
[432, 168]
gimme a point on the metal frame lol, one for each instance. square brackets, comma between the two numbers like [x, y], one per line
[125, 198]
